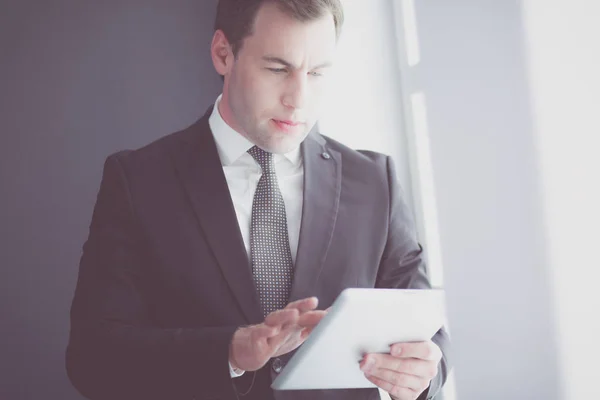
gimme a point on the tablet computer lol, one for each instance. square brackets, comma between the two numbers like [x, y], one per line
[361, 321]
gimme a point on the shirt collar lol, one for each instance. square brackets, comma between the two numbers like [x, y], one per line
[231, 145]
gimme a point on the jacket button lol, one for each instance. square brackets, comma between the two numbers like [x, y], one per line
[277, 365]
[325, 155]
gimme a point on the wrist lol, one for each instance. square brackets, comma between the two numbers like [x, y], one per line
[235, 372]
[232, 362]
[235, 368]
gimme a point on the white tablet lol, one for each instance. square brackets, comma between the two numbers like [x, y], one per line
[360, 321]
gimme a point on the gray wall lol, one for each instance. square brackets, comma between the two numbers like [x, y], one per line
[79, 80]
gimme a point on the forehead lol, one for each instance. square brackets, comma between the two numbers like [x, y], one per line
[284, 36]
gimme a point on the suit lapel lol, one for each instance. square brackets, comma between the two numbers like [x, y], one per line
[322, 187]
[198, 164]
[199, 167]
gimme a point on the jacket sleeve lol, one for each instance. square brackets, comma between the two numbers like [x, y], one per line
[402, 266]
[114, 349]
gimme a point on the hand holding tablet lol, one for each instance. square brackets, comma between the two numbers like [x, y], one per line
[361, 321]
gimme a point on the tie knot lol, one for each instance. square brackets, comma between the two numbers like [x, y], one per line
[263, 158]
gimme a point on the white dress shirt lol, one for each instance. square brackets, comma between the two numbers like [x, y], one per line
[242, 173]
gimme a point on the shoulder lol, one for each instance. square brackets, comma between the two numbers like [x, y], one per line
[156, 157]
[149, 153]
[356, 159]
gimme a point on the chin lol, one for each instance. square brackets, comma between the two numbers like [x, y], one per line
[278, 148]
[279, 144]
[286, 145]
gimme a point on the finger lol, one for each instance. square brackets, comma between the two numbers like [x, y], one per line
[281, 317]
[422, 350]
[305, 333]
[400, 393]
[263, 331]
[311, 318]
[304, 305]
[400, 379]
[411, 366]
[282, 337]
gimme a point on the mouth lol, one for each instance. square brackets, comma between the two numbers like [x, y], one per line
[287, 122]
[287, 125]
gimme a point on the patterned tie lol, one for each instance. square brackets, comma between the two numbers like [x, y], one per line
[269, 244]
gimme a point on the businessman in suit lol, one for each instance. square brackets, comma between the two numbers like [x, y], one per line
[214, 251]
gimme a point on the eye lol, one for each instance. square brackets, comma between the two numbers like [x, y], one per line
[314, 73]
[277, 70]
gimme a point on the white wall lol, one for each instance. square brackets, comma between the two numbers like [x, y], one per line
[472, 76]
[365, 103]
[564, 62]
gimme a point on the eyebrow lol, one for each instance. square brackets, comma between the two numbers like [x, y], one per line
[288, 64]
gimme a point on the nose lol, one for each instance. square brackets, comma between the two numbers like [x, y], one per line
[295, 96]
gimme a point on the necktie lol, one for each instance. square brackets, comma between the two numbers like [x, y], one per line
[269, 243]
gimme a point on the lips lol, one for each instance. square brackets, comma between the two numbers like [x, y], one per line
[287, 125]
[288, 122]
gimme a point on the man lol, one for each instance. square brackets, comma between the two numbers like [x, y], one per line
[214, 251]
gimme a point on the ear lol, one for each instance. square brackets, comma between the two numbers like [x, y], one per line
[221, 53]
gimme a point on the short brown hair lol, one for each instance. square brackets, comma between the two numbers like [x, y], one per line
[236, 17]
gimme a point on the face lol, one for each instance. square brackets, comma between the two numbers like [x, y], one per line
[273, 89]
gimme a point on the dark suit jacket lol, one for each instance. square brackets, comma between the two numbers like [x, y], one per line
[164, 279]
